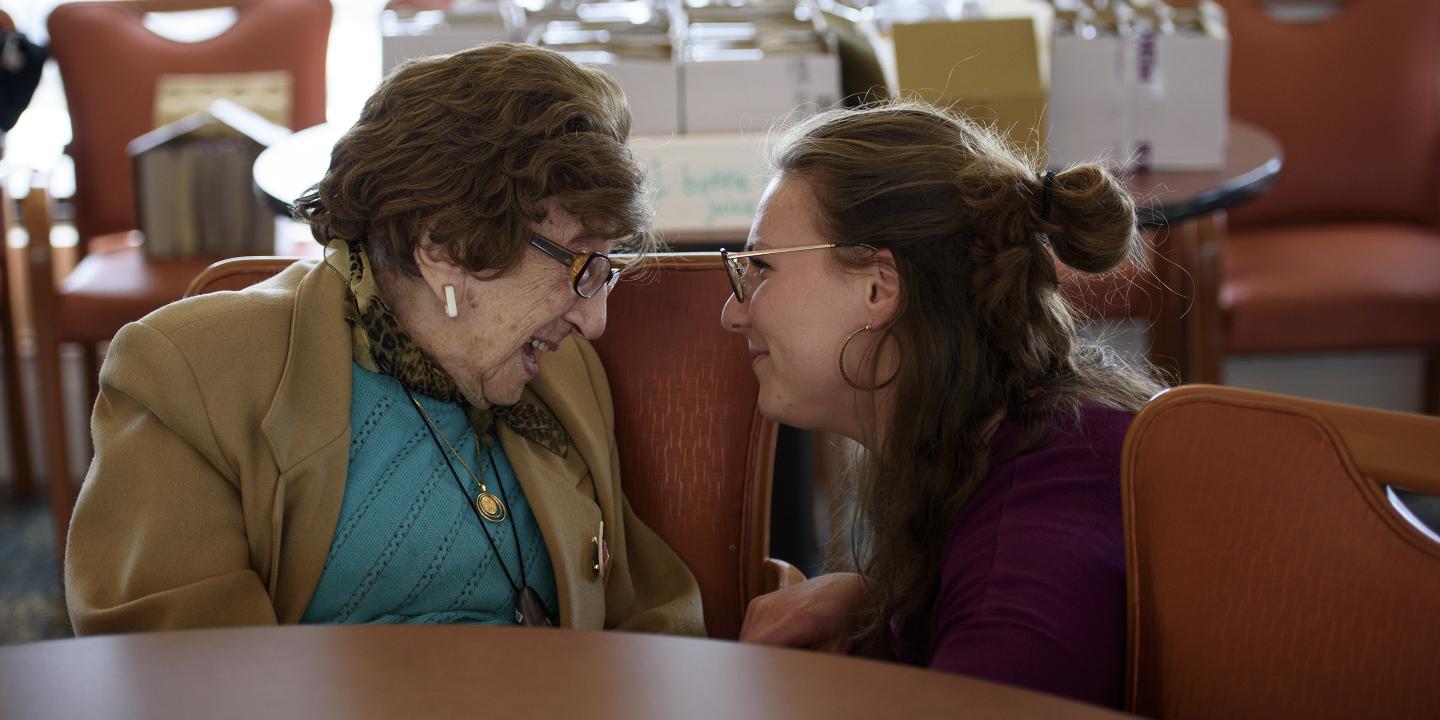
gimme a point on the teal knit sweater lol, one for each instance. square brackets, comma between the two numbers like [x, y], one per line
[409, 547]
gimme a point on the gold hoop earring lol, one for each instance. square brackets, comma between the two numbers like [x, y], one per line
[846, 376]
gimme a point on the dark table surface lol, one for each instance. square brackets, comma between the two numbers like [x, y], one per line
[407, 671]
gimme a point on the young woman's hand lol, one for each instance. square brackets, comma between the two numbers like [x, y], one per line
[820, 614]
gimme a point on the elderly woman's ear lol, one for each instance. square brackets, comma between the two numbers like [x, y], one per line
[444, 280]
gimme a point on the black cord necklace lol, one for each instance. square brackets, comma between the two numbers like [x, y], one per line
[529, 608]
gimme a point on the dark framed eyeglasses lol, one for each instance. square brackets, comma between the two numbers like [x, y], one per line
[589, 274]
[737, 264]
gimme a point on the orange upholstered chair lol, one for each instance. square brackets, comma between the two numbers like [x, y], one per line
[1270, 572]
[111, 65]
[1344, 252]
[695, 455]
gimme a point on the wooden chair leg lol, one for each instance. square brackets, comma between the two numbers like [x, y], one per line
[1167, 332]
[40, 278]
[57, 453]
[24, 477]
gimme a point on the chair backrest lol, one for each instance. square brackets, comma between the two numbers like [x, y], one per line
[111, 65]
[696, 457]
[1354, 99]
[1269, 573]
[695, 454]
[238, 273]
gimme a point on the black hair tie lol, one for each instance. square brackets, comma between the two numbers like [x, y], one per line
[1045, 196]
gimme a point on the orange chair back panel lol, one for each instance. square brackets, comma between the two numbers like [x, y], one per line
[694, 453]
[1355, 102]
[695, 456]
[111, 64]
[1269, 576]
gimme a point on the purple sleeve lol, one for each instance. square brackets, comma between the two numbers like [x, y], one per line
[1032, 590]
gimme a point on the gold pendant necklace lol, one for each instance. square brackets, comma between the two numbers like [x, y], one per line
[530, 610]
[490, 506]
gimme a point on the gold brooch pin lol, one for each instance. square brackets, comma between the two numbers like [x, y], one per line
[602, 552]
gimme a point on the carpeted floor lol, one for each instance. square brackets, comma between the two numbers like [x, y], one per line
[32, 603]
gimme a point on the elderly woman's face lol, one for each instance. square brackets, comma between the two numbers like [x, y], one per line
[506, 325]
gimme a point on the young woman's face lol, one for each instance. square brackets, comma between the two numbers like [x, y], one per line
[799, 310]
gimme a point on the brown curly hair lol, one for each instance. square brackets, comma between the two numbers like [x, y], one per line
[982, 328]
[469, 146]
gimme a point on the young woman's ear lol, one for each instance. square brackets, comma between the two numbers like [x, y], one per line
[882, 287]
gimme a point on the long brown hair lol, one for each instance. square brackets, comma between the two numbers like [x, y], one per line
[981, 329]
[470, 145]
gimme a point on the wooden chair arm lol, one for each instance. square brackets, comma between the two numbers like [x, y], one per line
[779, 574]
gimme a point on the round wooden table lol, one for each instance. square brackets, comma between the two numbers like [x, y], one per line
[397, 671]
[1252, 160]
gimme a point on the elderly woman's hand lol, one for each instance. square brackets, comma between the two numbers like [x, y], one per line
[820, 614]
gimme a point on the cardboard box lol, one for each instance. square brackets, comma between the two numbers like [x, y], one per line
[651, 86]
[630, 42]
[750, 95]
[434, 33]
[993, 66]
[1143, 94]
[1090, 115]
[1182, 112]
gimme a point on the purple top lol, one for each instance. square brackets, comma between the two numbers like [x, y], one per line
[1032, 587]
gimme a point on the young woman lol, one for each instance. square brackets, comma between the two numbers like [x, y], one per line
[901, 289]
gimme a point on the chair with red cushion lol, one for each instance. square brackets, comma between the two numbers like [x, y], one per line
[696, 457]
[1271, 572]
[1343, 253]
[111, 65]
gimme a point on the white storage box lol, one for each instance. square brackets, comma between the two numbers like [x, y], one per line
[749, 95]
[652, 89]
[1182, 112]
[434, 33]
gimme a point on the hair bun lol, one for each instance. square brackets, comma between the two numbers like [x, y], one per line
[1089, 218]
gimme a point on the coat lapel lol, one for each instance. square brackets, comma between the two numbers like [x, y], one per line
[560, 486]
[558, 490]
[308, 429]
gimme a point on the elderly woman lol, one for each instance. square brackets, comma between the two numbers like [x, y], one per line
[411, 430]
[901, 290]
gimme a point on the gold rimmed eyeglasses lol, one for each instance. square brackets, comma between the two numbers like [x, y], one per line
[737, 264]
